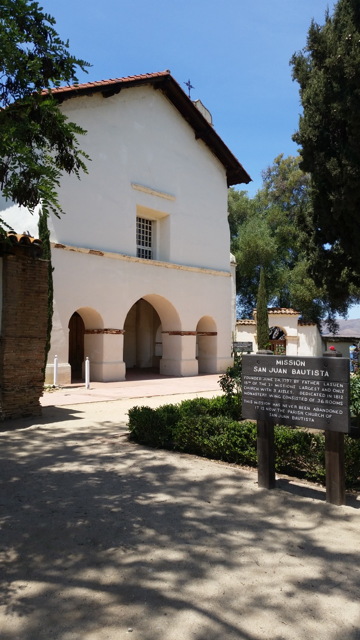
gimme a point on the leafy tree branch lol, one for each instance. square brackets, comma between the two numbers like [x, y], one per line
[37, 142]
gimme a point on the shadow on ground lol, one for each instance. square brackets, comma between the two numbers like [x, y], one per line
[48, 416]
[99, 536]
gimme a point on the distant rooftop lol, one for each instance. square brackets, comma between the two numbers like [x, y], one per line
[347, 329]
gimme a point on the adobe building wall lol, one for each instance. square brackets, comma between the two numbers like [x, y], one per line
[301, 338]
[310, 340]
[23, 328]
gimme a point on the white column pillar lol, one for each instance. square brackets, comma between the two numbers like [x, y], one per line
[179, 354]
[105, 351]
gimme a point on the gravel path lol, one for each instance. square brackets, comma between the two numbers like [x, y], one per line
[102, 539]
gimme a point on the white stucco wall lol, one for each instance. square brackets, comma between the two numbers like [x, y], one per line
[246, 333]
[301, 339]
[138, 138]
[233, 295]
[310, 341]
[110, 286]
[145, 161]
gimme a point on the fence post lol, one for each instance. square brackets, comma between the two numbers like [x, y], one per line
[87, 373]
[55, 371]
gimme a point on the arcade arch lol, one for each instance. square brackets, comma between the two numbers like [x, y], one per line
[277, 339]
[147, 327]
[142, 337]
[82, 321]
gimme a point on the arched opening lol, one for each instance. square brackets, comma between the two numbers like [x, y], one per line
[277, 339]
[76, 346]
[206, 345]
[143, 338]
[153, 337]
[83, 321]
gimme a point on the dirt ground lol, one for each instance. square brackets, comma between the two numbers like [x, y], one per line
[102, 539]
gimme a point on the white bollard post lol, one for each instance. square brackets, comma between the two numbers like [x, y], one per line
[87, 373]
[55, 371]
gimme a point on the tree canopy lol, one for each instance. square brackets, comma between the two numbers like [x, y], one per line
[37, 142]
[328, 72]
[265, 233]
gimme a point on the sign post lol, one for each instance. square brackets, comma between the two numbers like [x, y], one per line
[299, 391]
[334, 460]
[242, 347]
[335, 467]
[266, 454]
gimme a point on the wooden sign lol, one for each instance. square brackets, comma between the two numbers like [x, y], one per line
[301, 391]
[242, 347]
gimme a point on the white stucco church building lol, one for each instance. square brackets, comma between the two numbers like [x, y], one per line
[142, 274]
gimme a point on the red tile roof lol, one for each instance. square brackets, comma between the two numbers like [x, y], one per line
[100, 84]
[20, 243]
[22, 238]
[283, 311]
[164, 81]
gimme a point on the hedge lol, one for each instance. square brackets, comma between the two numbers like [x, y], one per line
[206, 427]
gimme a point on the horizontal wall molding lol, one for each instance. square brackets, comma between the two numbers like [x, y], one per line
[152, 192]
[206, 333]
[115, 332]
[190, 333]
[133, 259]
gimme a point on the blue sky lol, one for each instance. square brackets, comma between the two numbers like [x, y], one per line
[235, 52]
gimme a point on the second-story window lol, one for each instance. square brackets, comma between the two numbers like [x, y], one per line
[144, 238]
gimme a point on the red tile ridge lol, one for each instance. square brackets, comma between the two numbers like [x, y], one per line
[104, 83]
[22, 238]
[283, 310]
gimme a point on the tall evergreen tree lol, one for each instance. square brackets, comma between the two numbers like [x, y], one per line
[44, 235]
[262, 317]
[328, 72]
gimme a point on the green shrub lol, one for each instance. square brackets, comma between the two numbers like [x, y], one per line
[205, 427]
[352, 462]
[355, 396]
[217, 406]
[153, 427]
[217, 437]
[230, 383]
[300, 453]
[193, 434]
[236, 443]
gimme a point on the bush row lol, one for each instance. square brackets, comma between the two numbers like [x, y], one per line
[206, 427]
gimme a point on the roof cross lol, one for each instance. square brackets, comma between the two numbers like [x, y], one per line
[189, 86]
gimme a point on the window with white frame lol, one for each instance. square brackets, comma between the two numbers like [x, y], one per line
[144, 238]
